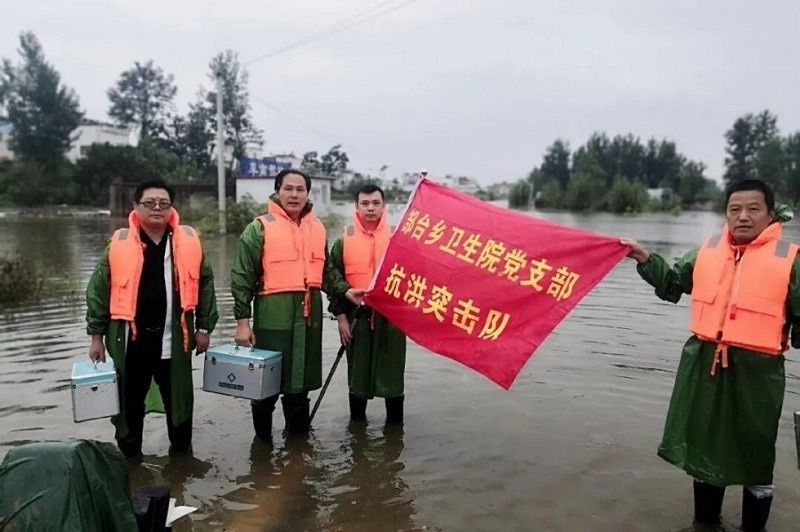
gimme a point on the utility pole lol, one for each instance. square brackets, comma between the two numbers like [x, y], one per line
[220, 160]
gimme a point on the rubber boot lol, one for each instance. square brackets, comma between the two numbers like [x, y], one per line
[707, 503]
[358, 408]
[394, 410]
[180, 438]
[131, 448]
[296, 412]
[262, 417]
[755, 511]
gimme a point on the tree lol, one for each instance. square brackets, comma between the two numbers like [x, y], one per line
[627, 154]
[238, 126]
[596, 153]
[190, 138]
[793, 167]
[42, 111]
[310, 162]
[662, 164]
[555, 165]
[748, 134]
[770, 165]
[143, 95]
[519, 195]
[101, 165]
[692, 182]
[334, 162]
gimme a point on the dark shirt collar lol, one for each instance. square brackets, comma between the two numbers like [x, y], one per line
[147, 241]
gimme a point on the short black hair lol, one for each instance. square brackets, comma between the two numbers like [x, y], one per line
[751, 184]
[369, 188]
[153, 183]
[288, 171]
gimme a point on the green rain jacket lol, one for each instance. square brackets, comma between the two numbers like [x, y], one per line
[98, 319]
[722, 429]
[278, 321]
[376, 356]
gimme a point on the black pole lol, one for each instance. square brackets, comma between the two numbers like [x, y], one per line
[353, 321]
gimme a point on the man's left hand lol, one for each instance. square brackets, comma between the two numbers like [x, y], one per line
[201, 340]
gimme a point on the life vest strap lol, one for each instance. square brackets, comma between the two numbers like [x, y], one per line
[720, 357]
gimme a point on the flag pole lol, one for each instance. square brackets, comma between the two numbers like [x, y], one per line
[356, 315]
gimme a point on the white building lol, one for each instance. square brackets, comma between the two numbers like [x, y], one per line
[86, 134]
[465, 184]
[5, 131]
[91, 132]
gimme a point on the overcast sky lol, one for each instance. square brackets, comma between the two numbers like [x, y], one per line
[470, 87]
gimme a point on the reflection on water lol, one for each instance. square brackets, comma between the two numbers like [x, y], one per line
[570, 447]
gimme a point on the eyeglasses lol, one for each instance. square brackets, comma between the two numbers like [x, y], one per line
[151, 204]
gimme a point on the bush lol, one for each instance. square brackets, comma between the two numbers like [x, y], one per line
[626, 196]
[520, 195]
[583, 193]
[237, 215]
[550, 197]
[28, 184]
[19, 280]
[104, 163]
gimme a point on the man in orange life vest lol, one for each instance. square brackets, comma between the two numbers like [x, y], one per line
[152, 297]
[278, 269]
[723, 416]
[376, 354]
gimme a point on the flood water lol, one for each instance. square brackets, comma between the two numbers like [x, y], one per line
[570, 447]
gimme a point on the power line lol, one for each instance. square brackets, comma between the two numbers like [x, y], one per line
[342, 25]
[294, 119]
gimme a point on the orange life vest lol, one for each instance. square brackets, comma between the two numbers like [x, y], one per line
[293, 258]
[363, 250]
[739, 293]
[126, 259]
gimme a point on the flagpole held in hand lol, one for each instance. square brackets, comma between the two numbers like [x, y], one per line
[356, 315]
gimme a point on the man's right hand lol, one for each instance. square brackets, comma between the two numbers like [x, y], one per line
[355, 295]
[344, 329]
[637, 252]
[244, 335]
[97, 351]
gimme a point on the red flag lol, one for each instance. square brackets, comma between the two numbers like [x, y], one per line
[481, 284]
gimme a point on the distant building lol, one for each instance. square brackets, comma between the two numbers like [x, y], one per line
[92, 132]
[500, 190]
[407, 181]
[659, 194]
[465, 184]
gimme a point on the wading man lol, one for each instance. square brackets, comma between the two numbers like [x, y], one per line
[723, 416]
[278, 268]
[152, 297]
[376, 350]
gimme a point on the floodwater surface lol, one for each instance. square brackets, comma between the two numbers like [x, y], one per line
[570, 447]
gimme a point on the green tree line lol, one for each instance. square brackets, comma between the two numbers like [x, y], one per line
[44, 114]
[614, 174]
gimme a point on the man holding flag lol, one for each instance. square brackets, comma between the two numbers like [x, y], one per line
[376, 352]
[723, 417]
